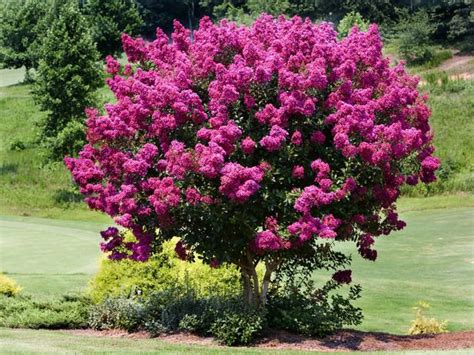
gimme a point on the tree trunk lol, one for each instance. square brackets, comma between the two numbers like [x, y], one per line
[255, 291]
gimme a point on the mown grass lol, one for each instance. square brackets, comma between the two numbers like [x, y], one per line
[452, 106]
[29, 186]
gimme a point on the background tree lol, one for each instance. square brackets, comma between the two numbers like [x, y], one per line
[413, 38]
[349, 21]
[109, 19]
[246, 12]
[22, 26]
[68, 75]
[161, 13]
[452, 20]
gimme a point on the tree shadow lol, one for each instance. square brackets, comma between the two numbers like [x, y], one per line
[8, 168]
[353, 339]
[67, 196]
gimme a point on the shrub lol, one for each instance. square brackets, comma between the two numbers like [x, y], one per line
[424, 325]
[297, 305]
[350, 20]
[237, 327]
[8, 287]
[116, 313]
[18, 145]
[162, 271]
[254, 145]
[177, 308]
[24, 312]
[414, 37]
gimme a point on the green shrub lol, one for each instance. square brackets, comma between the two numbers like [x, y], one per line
[314, 312]
[238, 328]
[24, 312]
[350, 20]
[116, 313]
[413, 37]
[164, 270]
[177, 308]
[8, 287]
[439, 57]
[424, 325]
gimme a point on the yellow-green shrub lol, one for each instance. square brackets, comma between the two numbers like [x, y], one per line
[160, 272]
[424, 325]
[8, 287]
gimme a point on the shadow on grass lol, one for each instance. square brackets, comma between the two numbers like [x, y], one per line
[67, 196]
[8, 168]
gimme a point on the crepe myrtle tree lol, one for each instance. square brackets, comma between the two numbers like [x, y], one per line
[255, 145]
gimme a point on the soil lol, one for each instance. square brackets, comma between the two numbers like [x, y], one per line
[345, 340]
[459, 67]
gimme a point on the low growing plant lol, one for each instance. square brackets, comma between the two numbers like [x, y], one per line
[422, 324]
[25, 312]
[238, 328]
[164, 270]
[8, 286]
[173, 309]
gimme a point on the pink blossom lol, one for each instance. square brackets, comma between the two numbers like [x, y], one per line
[297, 172]
[248, 146]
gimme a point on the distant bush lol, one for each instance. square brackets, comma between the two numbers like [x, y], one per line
[24, 312]
[438, 58]
[18, 145]
[8, 287]
[162, 271]
[424, 325]
[350, 20]
[413, 38]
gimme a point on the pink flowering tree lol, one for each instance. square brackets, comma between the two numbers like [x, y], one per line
[254, 145]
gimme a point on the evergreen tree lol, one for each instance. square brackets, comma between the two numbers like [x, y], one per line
[109, 19]
[68, 75]
[22, 26]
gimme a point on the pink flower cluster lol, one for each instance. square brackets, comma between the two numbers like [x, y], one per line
[276, 119]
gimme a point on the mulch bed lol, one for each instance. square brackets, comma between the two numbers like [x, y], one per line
[345, 340]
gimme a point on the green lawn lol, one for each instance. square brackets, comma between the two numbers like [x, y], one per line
[431, 260]
[44, 341]
[49, 257]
